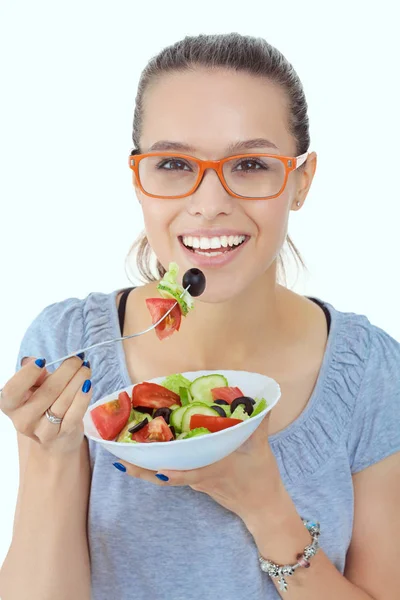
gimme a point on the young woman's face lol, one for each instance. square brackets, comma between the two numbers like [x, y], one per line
[207, 112]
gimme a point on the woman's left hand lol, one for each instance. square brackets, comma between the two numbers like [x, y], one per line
[243, 482]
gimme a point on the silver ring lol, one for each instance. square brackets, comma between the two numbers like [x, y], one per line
[52, 418]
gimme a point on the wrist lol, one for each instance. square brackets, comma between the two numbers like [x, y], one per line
[274, 513]
[278, 531]
[50, 459]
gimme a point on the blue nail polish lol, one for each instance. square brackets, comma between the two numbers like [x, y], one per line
[86, 364]
[81, 355]
[120, 467]
[86, 386]
[40, 362]
[162, 477]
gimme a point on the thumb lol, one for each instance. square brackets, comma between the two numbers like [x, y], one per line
[42, 375]
[263, 428]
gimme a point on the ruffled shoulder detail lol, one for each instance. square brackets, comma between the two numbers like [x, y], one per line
[315, 436]
[71, 324]
[100, 323]
[55, 332]
[375, 427]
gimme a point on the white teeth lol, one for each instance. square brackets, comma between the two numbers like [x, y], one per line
[224, 241]
[214, 243]
[205, 243]
[209, 253]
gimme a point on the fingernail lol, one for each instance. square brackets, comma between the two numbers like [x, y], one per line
[86, 364]
[40, 362]
[162, 477]
[120, 467]
[86, 386]
[81, 355]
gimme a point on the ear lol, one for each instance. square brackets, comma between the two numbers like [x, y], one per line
[306, 176]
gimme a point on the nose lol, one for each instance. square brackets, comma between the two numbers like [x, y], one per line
[210, 199]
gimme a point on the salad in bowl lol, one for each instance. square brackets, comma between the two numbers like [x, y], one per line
[183, 421]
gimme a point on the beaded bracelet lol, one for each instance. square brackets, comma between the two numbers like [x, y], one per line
[282, 571]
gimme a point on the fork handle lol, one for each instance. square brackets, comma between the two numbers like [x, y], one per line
[118, 339]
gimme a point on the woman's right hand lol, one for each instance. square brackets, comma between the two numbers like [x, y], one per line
[32, 390]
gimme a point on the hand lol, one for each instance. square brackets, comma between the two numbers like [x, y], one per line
[32, 390]
[244, 482]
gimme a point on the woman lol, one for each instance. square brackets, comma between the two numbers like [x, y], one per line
[328, 452]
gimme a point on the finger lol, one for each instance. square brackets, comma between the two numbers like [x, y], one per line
[139, 473]
[75, 413]
[62, 404]
[44, 428]
[54, 386]
[42, 376]
[179, 478]
[29, 418]
[16, 389]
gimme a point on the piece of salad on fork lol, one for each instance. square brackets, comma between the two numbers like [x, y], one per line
[172, 292]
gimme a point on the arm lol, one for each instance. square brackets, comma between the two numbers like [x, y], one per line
[48, 557]
[372, 571]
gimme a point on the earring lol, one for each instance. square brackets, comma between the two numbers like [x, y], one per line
[298, 203]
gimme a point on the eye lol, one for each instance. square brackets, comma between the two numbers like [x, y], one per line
[173, 164]
[250, 164]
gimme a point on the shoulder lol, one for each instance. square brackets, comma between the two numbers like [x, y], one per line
[64, 326]
[361, 343]
[366, 365]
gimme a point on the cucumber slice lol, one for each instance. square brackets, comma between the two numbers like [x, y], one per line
[173, 292]
[226, 408]
[202, 386]
[175, 406]
[185, 396]
[176, 418]
[240, 413]
[196, 409]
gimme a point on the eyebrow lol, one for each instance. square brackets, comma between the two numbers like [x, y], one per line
[259, 143]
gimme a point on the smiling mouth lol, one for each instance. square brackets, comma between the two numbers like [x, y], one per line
[214, 246]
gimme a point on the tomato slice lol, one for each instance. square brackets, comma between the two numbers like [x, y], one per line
[110, 418]
[213, 424]
[226, 393]
[155, 431]
[153, 395]
[158, 307]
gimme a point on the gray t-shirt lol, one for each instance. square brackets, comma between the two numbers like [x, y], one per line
[160, 543]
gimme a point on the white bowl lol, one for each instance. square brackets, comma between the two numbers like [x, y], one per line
[199, 451]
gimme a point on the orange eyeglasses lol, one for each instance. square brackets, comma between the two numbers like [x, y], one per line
[244, 176]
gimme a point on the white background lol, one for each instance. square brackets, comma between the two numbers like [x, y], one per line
[68, 213]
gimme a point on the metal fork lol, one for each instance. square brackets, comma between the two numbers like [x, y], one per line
[118, 339]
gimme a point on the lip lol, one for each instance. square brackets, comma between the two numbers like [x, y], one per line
[209, 233]
[213, 261]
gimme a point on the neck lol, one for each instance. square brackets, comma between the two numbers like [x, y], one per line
[240, 327]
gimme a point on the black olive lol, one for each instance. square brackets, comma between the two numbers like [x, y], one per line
[219, 410]
[144, 409]
[197, 281]
[163, 412]
[138, 426]
[172, 428]
[222, 402]
[247, 404]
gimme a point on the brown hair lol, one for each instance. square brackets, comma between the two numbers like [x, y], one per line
[239, 53]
